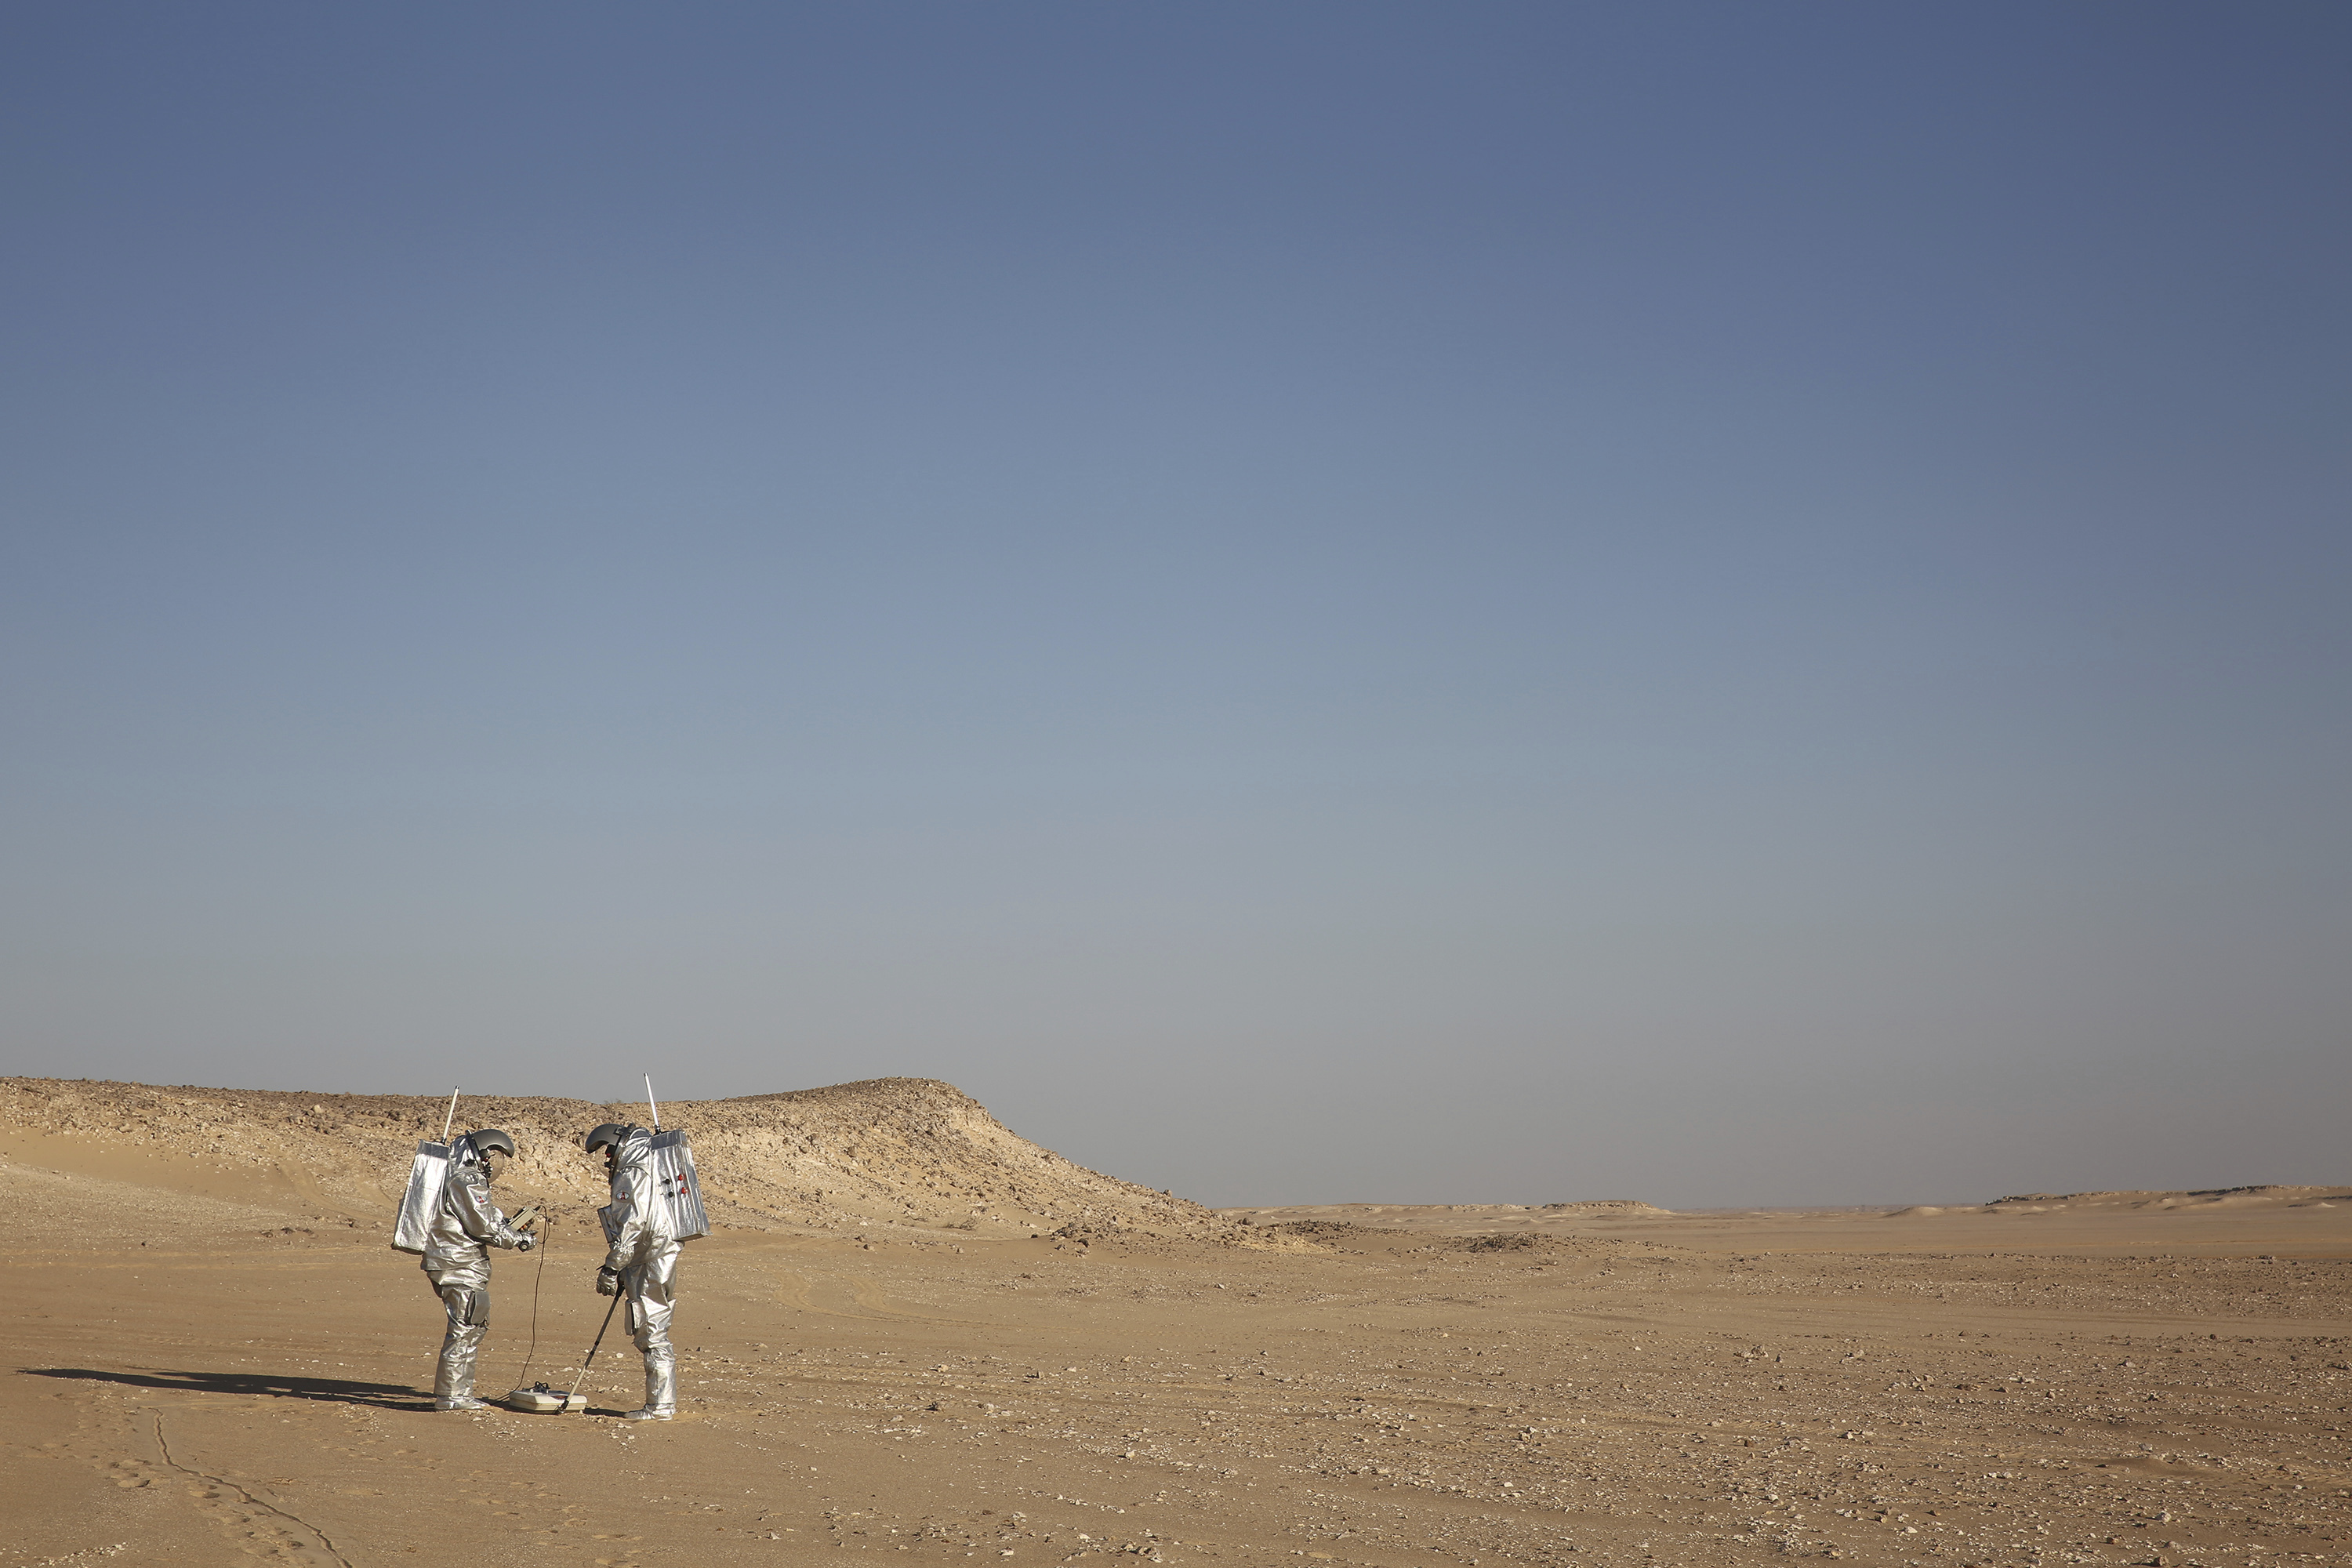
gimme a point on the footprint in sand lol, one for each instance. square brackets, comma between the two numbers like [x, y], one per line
[130, 1474]
[257, 1532]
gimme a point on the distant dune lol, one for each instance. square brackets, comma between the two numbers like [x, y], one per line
[2260, 1197]
[1604, 1215]
[2233, 1197]
[1464, 1219]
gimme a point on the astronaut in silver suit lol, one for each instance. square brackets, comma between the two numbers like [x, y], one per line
[458, 1261]
[643, 1261]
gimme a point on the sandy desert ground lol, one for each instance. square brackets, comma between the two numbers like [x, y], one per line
[916, 1334]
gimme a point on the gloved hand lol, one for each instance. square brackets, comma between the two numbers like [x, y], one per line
[608, 1282]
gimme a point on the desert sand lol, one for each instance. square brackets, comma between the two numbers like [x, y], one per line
[916, 1333]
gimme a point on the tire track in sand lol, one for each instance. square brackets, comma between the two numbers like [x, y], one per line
[256, 1519]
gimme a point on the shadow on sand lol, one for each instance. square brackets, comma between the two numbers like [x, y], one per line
[335, 1389]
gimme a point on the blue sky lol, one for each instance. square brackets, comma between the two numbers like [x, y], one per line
[1316, 603]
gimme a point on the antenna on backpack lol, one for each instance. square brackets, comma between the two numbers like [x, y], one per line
[450, 1119]
[651, 1109]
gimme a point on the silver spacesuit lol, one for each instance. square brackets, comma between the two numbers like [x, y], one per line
[458, 1261]
[643, 1260]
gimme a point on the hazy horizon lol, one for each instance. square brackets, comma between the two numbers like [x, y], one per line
[671, 1117]
[1731, 606]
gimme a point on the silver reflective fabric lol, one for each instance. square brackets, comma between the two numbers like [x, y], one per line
[674, 1186]
[422, 1201]
[469, 1318]
[641, 1223]
[464, 1225]
[638, 1217]
[652, 1286]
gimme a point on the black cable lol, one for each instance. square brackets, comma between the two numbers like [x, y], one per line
[540, 1246]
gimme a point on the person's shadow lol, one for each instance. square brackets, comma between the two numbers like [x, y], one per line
[333, 1390]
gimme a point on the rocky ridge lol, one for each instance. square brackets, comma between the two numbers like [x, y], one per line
[893, 1151]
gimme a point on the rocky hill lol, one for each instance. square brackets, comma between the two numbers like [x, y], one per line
[886, 1151]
